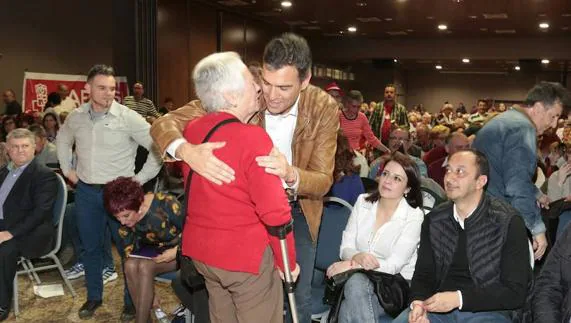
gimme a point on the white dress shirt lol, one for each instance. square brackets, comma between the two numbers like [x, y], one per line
[106, 146]
[281, 128]
[394, 244]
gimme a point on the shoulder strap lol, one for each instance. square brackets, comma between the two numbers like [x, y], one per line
[189, 177]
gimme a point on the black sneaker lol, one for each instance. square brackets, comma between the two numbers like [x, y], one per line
[128, 313]
[4, 312]
[88, 309]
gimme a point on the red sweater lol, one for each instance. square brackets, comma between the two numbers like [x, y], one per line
[356, 128]
[225, 225]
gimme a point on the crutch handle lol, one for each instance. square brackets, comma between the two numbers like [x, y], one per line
[280, 231]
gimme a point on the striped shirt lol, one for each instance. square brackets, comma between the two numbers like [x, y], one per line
[356, 128]
[144, 106]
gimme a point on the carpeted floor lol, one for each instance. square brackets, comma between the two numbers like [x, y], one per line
[64, 308]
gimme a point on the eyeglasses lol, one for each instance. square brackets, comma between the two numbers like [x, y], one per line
[397, 138]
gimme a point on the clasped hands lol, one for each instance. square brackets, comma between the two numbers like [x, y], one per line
[442, 302]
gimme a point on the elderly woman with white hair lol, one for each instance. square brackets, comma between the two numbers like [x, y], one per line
[225, 231]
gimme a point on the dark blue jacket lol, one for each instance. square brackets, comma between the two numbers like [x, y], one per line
[510, 143]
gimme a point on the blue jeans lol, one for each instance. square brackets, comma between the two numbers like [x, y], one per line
[305, 252]
[459, 317]
[564, 220]
[71, 235]
[92, 221]
[361, 303]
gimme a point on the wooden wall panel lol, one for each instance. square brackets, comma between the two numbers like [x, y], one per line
[203, 38]
[173, 52]
[257, 36]
[233, 33]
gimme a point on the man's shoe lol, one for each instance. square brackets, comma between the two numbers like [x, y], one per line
[4, 312]
[128, 313]
[109, 275]
[75, 271]
[88, 309]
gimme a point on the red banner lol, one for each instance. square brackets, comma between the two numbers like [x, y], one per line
[37, 86]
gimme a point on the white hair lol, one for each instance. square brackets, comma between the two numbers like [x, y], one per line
[215, 75]
[20, 133]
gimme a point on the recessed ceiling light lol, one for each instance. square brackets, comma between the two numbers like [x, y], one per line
[517, 68]
[566, 15]
[473, 17]
[543, 25]
[410, 30]
[331, 21]
[351, 29]
[361, 4]
[465, 60]
[483, 29]
[438, 67]
[544, 61]
[429, 17]
[388, 19]
[286, 4]
[395, 60]
[442, 27]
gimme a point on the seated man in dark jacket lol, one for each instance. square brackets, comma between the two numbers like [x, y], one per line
[28, 191]
[552, 300]
[474, 258]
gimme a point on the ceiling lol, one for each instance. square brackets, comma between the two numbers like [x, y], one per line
[412, 18]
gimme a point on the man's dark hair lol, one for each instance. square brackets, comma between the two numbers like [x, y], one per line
[289, 49]
[549, 93]
[100, 69]
[481, 162]
[353, 95]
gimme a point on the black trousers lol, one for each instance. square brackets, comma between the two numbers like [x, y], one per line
[8, 266]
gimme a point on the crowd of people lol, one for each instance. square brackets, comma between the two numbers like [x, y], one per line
[455, 208]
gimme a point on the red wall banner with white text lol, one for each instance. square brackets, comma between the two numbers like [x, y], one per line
[37, 86]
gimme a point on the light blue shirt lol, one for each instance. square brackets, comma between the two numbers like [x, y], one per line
[13, 175]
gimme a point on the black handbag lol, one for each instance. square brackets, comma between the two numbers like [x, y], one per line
[392, 291]
[188, 272]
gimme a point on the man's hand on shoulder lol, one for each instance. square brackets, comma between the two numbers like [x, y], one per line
[202, 160]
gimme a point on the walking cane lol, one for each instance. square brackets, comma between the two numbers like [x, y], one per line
[280, 232]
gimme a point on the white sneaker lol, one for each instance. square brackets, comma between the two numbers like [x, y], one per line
[75, 271]
[109, 275]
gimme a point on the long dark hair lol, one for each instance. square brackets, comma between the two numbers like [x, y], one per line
[414, 196]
